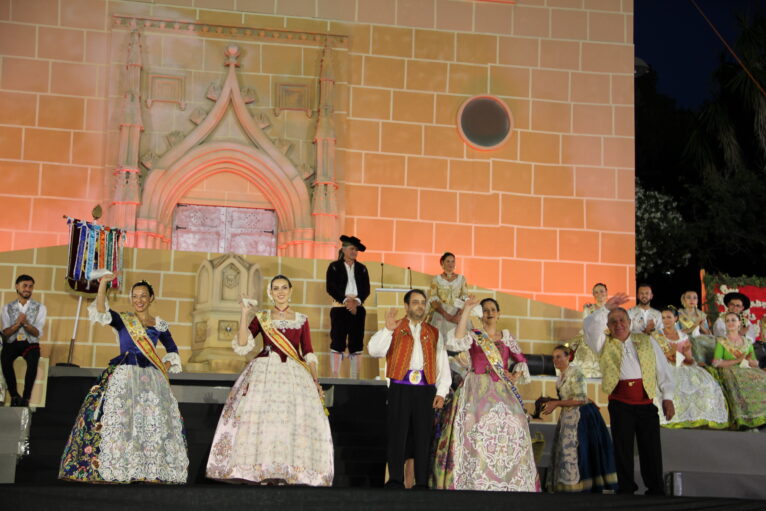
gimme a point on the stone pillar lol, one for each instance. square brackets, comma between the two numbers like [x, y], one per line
[220, 284]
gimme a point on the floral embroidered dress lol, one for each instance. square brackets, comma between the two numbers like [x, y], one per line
[273, 428]
[129, 428]
[584, 357]
[744, 387]
[485, 443]
[582, 457]
[446, 292]
[698, 399]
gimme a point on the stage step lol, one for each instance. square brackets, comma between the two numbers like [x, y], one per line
[14, 435]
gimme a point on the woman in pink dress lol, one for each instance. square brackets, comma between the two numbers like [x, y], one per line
[274, 429]
[485, 444]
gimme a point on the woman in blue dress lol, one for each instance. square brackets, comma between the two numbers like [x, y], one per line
[129, 428]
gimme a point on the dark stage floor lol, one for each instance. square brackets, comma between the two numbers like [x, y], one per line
[85, 497]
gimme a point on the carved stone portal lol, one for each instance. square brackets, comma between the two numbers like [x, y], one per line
[220, 284]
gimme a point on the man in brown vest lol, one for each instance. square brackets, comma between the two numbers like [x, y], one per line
[633, 371]
[418, 369]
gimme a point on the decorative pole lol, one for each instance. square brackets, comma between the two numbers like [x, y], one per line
[325, 207]
[127, 192]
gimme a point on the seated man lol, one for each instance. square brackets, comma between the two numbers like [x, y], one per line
[22, 321]
[739, 304]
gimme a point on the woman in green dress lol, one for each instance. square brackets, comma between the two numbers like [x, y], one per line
[744, 384]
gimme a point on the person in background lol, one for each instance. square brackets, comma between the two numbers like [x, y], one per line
[744, 384]
[698, 400]
[348, 283]
[693, 322]
[737, 303]
[583, 356]
[445, 289]
[23, 320]
[643, 318]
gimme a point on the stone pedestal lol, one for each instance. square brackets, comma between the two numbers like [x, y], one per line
[221, 282]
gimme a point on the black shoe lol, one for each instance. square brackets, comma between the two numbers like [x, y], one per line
[16, 401]
[394, 485]
[24, 402]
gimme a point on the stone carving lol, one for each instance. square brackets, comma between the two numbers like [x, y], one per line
[221, 282]
[165, 88]
[213, 92]
[293, 96]
[148, 159]
[227, 330]
[198, 115]
[249, 95]
[174, 138]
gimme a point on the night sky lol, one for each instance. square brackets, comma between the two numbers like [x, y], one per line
[676, 41]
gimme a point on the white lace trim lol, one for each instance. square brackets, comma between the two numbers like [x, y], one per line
[160, 324]
[310, 358]
[458, 344]
[175, 362]
[102, 318]
[247, 348]
[290, 324]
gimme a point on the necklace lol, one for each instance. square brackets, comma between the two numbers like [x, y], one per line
[282, 311]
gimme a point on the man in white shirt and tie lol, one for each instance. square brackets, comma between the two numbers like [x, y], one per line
[418, 370]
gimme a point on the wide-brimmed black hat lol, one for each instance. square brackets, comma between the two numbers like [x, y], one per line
[734, 295]
[353, 240]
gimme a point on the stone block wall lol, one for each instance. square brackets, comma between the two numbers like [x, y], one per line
[545, 216]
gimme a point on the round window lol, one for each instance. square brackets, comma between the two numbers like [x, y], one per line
[484, 122]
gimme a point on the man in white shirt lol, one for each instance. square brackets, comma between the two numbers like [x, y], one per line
[737, 303]
[348, 283]
[634, 370]
[23, 321]
[643, 318]
[418, 370]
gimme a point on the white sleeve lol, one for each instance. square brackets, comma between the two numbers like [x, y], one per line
[665, 383]
[719, 329]
[455, 344]
[443, 374]
[6, 318]
[102, 318]
[752, 332]
[635, 327]
[380, 342]
[39, 323]
[247, 348]
[593, 328]
[175, 362]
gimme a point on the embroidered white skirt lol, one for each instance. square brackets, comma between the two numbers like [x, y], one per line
[273, 428]
[129, 429]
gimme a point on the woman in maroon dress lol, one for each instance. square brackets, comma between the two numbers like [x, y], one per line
[274, 429]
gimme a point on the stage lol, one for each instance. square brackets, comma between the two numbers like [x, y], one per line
[233, 497]
[699, 465]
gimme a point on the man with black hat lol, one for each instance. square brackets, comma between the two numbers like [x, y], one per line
[348, 283]
[737, 303]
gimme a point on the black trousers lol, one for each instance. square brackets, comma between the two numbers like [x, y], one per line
[642, 423]
[410, 412]
[344, 325]
[12, 351]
